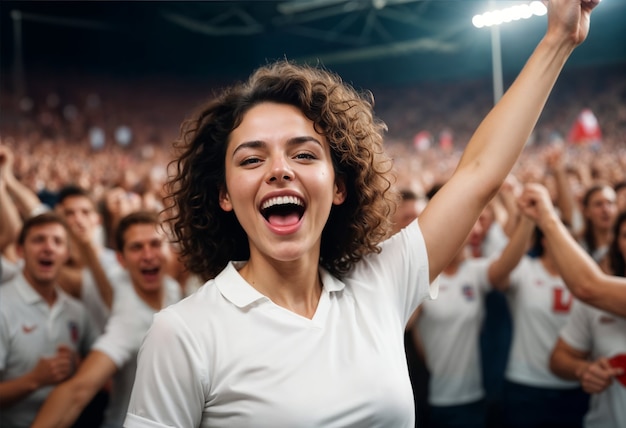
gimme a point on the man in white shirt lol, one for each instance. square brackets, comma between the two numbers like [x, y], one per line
[140, 251]
[42, 329]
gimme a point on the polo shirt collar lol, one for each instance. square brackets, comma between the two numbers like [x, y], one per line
[235, 289]
[30, 296]
[25, 290]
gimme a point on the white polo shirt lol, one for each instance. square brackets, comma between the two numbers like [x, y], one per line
[227, 356]
[30, 330]
[602, 334]
[449, 329]
[130, 319]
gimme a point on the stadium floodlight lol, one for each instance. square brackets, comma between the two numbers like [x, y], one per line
[496, 17]
[513, 13]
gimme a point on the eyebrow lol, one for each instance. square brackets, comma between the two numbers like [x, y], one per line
[255, 144]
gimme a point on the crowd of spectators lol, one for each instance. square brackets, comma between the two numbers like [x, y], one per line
[107, 131]
[113, 137]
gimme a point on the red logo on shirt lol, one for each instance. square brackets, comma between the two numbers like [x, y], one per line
[562, 301]
[28, 328]
[606, 319]
[73, 327]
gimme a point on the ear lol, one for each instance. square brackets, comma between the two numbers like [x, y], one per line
[340, 192]
[225, 203]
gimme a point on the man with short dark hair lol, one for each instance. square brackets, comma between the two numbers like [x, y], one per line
[42, 329]
[114, 355]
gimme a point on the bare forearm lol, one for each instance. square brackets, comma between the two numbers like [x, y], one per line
[567, 367]
[496, 145]
[62, 407]
[70, 279]
[581, 273]
[565, 199]
[24, 198]
[577, 269]
[15, 390]
[10, 221]
[102, 281]
[501, 268]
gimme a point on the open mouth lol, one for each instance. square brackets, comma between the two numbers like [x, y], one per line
[150, 272]
[283, 210]
[46, 263]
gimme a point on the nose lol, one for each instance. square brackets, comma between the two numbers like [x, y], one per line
[147, 253]
[280, 171]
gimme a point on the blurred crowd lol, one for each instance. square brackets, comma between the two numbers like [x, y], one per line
[107, 142]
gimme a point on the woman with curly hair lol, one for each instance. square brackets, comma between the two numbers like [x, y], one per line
[281, 199]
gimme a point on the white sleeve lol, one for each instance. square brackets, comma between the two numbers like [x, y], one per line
[123, 333]
[400, 270]
[172, 379]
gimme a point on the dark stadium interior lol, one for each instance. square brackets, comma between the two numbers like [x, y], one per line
[375, 41]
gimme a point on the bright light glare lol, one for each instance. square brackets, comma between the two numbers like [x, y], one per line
[538, 8]
[478, 21]
[513, 13]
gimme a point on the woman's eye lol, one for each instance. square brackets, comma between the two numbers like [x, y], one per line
[250, 161]
[308, 156]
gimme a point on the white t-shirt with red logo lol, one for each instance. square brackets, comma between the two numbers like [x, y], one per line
[602, 334]
[449, 329]
[540, 304]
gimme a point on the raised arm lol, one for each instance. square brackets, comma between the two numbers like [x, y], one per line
[498, 141]
[581, 273]
[564, 198]
[72, 276]
[26, 200]
[10, 221]
[501, 267]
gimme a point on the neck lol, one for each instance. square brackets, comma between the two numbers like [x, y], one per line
[154, 299]
[45, 289]
[295, 286]
[603, 237]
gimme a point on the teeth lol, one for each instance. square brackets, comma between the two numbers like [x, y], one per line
[281, 200]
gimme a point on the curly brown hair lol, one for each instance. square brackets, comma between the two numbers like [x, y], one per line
[210, 237]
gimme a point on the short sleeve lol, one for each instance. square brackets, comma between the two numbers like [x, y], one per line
[170, 383]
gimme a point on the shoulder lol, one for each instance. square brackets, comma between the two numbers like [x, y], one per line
[406, 248]
[10, 294]
[206, 301]
[8, 289]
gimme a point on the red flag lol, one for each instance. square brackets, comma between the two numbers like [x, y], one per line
[586, 129]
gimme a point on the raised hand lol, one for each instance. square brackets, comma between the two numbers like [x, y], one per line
[569, 19]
